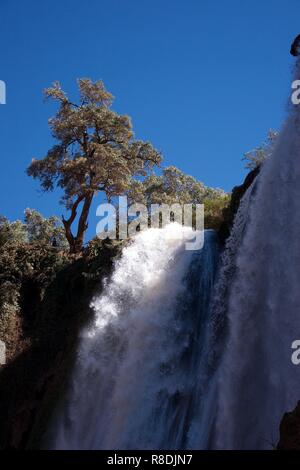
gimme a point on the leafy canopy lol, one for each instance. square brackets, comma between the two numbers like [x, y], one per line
[36, 229]
[174, 186]
[95, 151]
[258, 155]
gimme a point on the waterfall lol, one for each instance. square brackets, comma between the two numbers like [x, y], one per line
[141, 380]
[257, 381]
[174, 360]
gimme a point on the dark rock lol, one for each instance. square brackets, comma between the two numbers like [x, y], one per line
[35, 376]
[295, 47]
[290, 430]
[230, 211]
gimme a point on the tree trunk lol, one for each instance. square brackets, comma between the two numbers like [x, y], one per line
[76, 243]
[69, 235]
[82, 224]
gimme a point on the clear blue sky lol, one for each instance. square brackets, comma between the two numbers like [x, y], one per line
[202, 80]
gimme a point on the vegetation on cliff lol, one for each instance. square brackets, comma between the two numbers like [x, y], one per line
[45, 299]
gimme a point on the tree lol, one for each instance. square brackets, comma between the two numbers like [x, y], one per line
[36, 230]
[258, 155]
[4, 230]
[12, 233]
[174, 186]
[213, 210]
[96, 151]
[44, 231]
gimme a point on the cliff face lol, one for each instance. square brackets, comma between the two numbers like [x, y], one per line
[44, 298]
[236, 196]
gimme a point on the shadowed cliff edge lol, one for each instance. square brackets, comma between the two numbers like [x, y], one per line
[290, 430]
[54, 296]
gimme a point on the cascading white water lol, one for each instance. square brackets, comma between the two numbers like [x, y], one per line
[257, 380]
[140, 381]
[163, 367]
